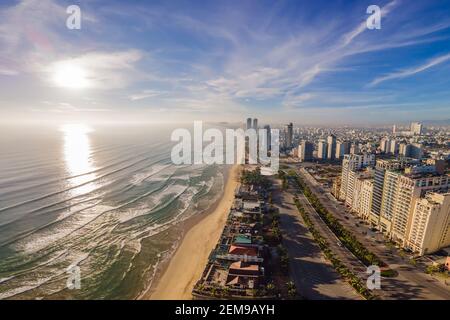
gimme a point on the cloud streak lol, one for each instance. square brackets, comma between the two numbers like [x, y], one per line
[411, 71]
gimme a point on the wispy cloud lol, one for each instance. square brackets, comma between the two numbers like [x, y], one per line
[350, 36]
[234, 59]
[411, 71]
[146, 94]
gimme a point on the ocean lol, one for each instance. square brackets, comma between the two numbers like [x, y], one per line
[103, 200]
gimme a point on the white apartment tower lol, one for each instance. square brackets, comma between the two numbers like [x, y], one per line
[350, 164]
[430, 226]
[331, 152]
[322, 150]
[416, 128]
[401, 191]
[362, 195]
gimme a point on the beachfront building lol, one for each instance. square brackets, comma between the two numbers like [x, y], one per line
[235, 267]
[244, 275]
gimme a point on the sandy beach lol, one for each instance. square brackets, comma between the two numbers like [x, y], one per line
[187, 265]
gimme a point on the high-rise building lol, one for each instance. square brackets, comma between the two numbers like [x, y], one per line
[306, 150]
[342, 148]
[378, 184]
[350, 164]
[268, 136]
[336, 188]
[430, 225]
[394, 147]
[354, 183]
[289, 135]
[416, 128]
[354, 149]
[388, 200]
[331, 152]
[401, 191]
[322, 149]
[255, 124]
[362, 195]
[412, 150]
[249, 123]
[415, 151]
[385, 145]
[402, 149]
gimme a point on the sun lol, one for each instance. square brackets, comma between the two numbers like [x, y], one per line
[68, 74]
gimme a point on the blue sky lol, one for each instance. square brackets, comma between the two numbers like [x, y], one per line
[311, 62]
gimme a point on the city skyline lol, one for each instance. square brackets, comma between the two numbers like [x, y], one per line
[215, 61]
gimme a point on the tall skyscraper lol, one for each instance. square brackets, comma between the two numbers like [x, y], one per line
[268, 136]
[255, 124]
[289, 131]
[331, 152]
[249, 123]
[322, 149]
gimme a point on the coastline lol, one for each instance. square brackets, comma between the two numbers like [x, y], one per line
[186, 266]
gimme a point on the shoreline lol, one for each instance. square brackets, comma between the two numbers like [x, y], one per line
[187, 264]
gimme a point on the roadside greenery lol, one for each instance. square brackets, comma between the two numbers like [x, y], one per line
[292, 290]
[437, 269]
[284, 181]
[345, 236]
[352, 279]
[284, 258]
[254, 178]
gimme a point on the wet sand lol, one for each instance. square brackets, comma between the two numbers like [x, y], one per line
[187, 264]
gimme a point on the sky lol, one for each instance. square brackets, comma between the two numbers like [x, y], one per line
[310, 62]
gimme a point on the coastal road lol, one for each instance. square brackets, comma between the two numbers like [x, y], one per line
[314, 276]
[411, 282]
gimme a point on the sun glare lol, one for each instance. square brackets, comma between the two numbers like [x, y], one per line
[78, 158]
[70, 75]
